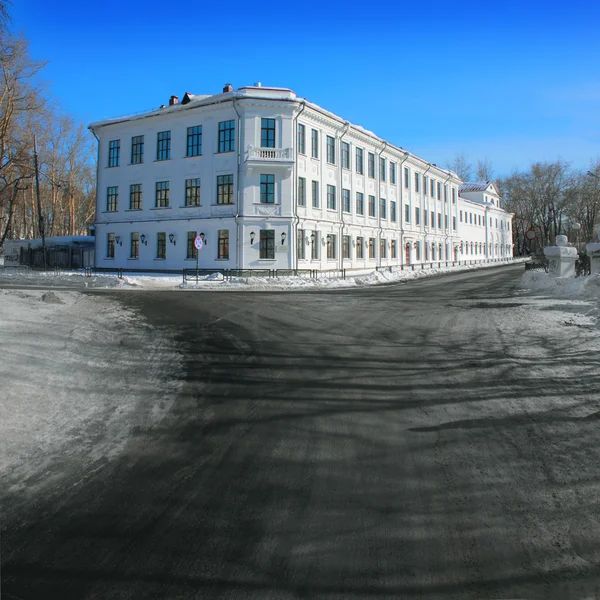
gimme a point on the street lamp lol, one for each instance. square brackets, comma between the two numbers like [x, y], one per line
[577, 228]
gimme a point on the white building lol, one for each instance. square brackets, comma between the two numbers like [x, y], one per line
[272, 181]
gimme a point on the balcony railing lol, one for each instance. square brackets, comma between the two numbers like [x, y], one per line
[283, 155]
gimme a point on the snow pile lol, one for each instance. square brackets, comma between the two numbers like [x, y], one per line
[14, 276]
[562, 287]
[79, 376]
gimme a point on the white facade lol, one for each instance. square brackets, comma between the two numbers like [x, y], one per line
[281, 185]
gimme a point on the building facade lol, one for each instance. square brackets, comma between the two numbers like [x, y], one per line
[271, 181]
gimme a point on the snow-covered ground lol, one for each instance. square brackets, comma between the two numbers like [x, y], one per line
[561, 287]
[216, 281]
[78, 376]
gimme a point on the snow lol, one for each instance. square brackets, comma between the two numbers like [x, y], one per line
[215, 281]
[538, 282]
[80, 374]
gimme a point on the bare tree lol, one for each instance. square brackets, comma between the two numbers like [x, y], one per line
[461, 166]
[484, 170]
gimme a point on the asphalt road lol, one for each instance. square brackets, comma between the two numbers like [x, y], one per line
[403, 441]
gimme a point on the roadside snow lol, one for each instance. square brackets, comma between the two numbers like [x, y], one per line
[78, 376]
[561, 287]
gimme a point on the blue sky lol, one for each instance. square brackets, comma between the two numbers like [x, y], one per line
[509, 81]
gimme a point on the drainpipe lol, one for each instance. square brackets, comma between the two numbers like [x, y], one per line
[342, 224]
[448, 235]
[401, 207]
[296, 221]
[239, 241]
[378, 199]
[425, 222]
[96, 211]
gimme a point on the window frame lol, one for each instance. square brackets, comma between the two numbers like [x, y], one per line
[267, 132]
[163, 145]
[194, 141]
[267, 244]
[162, 194]
[192, 192]
[225, 189]
[267, 188]
[114, 153]
[223, 244]
[226, 136]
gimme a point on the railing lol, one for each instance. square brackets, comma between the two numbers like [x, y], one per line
[269, 154]
[536, 265]
[201, 274]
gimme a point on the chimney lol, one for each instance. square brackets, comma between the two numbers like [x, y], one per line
[173, 100]
[227, 88]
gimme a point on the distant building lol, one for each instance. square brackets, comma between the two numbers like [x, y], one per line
[270, 180]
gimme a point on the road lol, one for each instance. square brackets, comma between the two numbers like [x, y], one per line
[437, 439]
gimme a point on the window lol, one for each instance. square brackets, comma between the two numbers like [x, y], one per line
[371, 247]
[406, 178]
[112, 198]
[192, 192]
[453, 195]
[393, 173]
[432, 188]
[346, 246]
[331, 246]
[330, 150]
[371, 206]
[393, 216]
[194, 141]
[393, 249]
[345, 155]
[445, 193]
[314, 245]
[371, 165]
[425, 184]
[382, 208]
[360, 203]
[382, 168]
[445, 221]
[433, 219]
[110, 245]
[192, 251]
[425, 218]
[223, 244]
[267, 243]
[454, 223]
[460, 217]
[301, 191]
[383, 248]
[224, 189]
[114, 153]
[417, 215]
[267, 133]
[418, 250]
[439, 220]
[359, 161]
[471, 219]
[137, 150]
[439, 190]
[135, 196]
[360, 247]
[163, 145]
[331, 197]
[301, 139]
[226, 136]
[161, 244]
[346, 200]
[314, 143]
[162, 194]
[267, 189]
[406, 213]
[315, 194]
[301, 244]
[134, 245]
[417, 182]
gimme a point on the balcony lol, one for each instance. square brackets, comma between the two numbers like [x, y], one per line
[271, 157]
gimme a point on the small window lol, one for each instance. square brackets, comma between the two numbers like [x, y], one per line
[360, 241]
[331, 246]
[382, 168]
[406, 213]
[393, 215]
[330, 150]
[134, 245]
[314, 143]
[137, 150]
[393, 250]
[345, 155]
[194, 141]
[372, 206]
[114, 153]
[112, 198]
[163, 145]
[135, 196]
[301, 139]
[392, 173]
[267, 243]
[224, 189]
[382, 208]
[223, 244]
[162, 194]
[383, 248]
[417, 182]
[346, 201]
[267, 133]
[453, 195]
[161, 244]
[360, 203]
[110, 245]
[226, 136]
[314, 245]
[315, 194]
[406, 178]
[192, 192]
[371, 165]
[301, 244]
[346, 246]
[371, 247]
[301, 191]
[417, 216]
[192, 251]
[359, 161]
[331, 197]
[267, 189]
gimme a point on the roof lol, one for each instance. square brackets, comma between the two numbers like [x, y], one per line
[475, 186]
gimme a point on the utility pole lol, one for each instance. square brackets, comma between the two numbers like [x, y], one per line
[39, 206]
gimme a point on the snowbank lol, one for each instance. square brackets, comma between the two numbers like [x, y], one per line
[561, 287]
